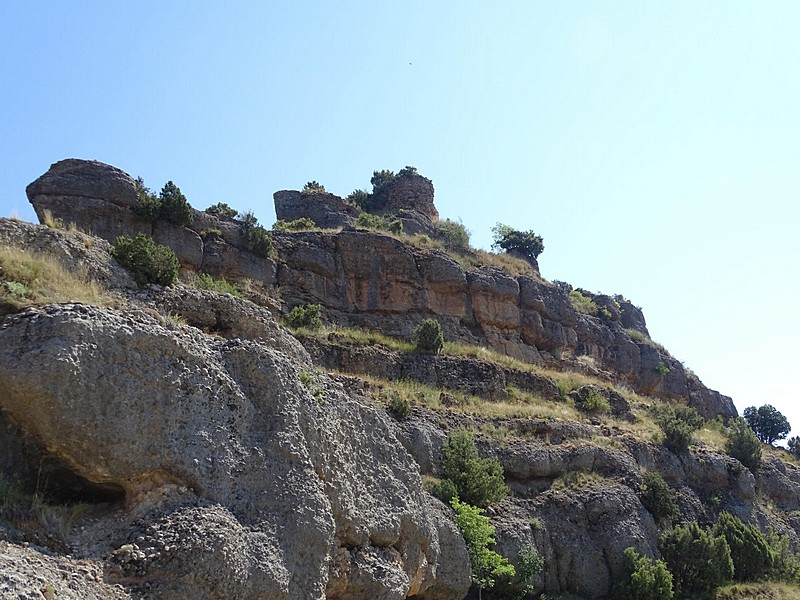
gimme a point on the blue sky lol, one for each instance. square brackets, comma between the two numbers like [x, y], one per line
[654, 145]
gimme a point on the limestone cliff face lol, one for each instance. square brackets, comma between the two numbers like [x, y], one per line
[371, 280]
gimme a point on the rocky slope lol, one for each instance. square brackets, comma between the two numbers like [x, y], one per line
[214, 455]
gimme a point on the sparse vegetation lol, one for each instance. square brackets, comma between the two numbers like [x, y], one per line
[661, 369]
[398, 405]
[574, 479]
[301, 224]
[222, 211]
[204, 281]
[582, 304]
[529, 564]
[307, 317]
[368, 221]
[313, 187]
[146, 261]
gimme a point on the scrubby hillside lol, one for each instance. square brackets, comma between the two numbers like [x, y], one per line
[280, 434]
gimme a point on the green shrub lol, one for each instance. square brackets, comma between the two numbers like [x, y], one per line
[582, 304]
[204, 281]
[529, 564]
[360, 199]
[146, 261]
[407, 171]
[786, 564]
[313, 187]
[368, 221]
[308, 317]
[170, 205]
[661, 368]
[397, 404]
[258, 239]
[526, 243]
[593, 402]
[751, 554]
[678, 424]
[395, 227]
[174, 207]
[486, 565]
[445, 490]
[645, 579]
[222, 211]
[147, 204]
[742, 444]
[455, 235]
[479, 481]
[381, 179]
[699, 561]
[428, 336]
[301, 224]
[658, 498]
[767, 422]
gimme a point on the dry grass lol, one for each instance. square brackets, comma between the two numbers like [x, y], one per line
[759, 591]
[28, 279]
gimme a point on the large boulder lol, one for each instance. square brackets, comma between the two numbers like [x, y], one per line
[93, 195]
[296, 486]
[407, 192]
[326, 210]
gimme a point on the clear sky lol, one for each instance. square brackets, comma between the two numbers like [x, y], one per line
[654, 145]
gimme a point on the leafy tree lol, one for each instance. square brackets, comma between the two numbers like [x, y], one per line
[222, 211]
[478, 481]
[742, 444]
[307, 316]
[381, 179]
[428, 336]
[767, 422]
[313, 187]
[646, 579]
[699, 561]
[526, 243]
[486, 565]
[174, 206]
[793, 445]
[658, 498]
[146, 261]
[751, 554]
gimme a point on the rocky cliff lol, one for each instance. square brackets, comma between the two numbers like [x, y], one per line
[188, 445]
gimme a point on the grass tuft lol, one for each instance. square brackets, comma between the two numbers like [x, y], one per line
[29, 279]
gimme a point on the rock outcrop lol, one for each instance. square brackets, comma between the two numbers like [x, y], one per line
[265, 487]
[326, 210]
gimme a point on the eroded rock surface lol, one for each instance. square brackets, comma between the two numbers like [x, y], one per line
[270, 478]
